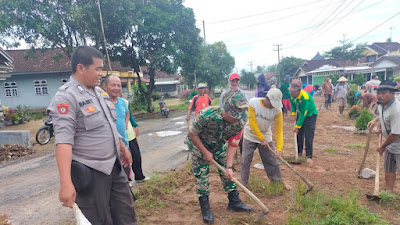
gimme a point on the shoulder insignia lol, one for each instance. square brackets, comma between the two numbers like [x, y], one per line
[80, 88]
[90, 109]
[62, 108]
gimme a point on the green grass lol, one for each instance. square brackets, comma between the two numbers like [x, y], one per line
[260, 185]
[330, 150]
[150, 194]
[359, 145]
[320, 208]
[387, 198]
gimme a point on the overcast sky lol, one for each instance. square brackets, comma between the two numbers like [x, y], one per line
[302, 27]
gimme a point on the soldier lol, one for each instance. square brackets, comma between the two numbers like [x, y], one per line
[208, 133]
[90, 153]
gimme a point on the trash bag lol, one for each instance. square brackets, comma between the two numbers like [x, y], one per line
[80, 218]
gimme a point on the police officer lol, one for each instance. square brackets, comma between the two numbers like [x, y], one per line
[90, 154]
[208, 133]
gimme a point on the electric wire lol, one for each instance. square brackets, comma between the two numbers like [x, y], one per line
[268, 12]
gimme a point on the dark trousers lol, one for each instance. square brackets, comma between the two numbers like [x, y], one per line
[307, 131]
[108, 200]
[137, 159]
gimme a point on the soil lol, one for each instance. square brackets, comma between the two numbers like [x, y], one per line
[333, 173]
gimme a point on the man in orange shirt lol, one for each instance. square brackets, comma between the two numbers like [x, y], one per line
[199, 101]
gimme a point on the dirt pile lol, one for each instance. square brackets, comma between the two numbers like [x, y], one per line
[13, 151]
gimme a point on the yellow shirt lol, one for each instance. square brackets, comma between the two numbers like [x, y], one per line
[258, 127]
[130, 130]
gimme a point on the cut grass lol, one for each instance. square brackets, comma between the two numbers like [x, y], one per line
[150, 194]
[330, 150]
[359, 145]
[260, 185]
[320, 208]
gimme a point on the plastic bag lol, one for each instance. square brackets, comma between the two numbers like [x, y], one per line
[80, 218]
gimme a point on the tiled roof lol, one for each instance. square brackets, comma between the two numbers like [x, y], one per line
[311, 65]
[384, 47]
[394, 59]
[45, 62]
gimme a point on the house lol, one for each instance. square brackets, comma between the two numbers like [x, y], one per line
[315, 71]
[379, 49]
[320, 68]
[36, 77]
[6, 64]
[387, 67]
[167, 84]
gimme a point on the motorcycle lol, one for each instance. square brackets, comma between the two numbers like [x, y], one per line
[46, 132]
[163, 107]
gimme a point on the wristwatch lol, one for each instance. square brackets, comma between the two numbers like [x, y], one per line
[229, 167]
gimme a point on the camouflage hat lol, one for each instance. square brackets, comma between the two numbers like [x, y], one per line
[236, 105]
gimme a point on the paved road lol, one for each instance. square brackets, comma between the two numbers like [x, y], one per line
[29, 189]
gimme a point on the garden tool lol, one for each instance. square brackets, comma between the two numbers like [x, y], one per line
[296, 151]
[265, 210]
[375, 194]
[309, 184]
[365, 151]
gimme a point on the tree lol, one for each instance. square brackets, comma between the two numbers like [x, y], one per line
[272, 68]
[163, 37]
[247, 78]
[346, 51]
[215, 65]
[289, 66]
[359, 80]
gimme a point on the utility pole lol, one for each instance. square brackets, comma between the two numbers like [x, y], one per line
[251, 66]
[344, 53]
[278, 48]
[204, 33]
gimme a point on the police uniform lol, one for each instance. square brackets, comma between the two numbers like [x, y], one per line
[85, 118]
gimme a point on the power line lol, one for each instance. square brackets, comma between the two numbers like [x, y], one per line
[319, 24]
[303, 29]
[268, 12]
[376, 27]
[269, 21]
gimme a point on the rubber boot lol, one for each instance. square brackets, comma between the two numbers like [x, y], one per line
[235, 204]
[208, 217]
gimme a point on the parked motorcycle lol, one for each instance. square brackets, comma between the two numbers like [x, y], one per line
[46, 132]
[163, 107]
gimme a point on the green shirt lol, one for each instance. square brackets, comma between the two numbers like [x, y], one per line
[304, 106]
[212, 129]
[284, 89]
[193, 94]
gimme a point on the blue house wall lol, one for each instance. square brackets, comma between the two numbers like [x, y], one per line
[27, 95]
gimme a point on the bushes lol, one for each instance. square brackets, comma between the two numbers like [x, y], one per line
[354, 111]
[139, 101]
[363, 120]
[351, 98]
[156, 96]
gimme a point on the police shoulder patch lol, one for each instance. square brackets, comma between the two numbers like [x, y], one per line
[62, 108]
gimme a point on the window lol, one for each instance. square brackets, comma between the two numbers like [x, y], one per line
[11, 89]
[40, 87]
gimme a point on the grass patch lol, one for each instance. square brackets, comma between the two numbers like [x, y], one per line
[330, 150]
[150, 195]
[246, 220]
[387, 198]
[291, 159]
[259, 185]
[319, 208]
[359, 145]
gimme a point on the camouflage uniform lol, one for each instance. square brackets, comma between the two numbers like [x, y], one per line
[214, 132]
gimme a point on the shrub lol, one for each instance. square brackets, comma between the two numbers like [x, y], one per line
[185, 94]
[359, 79]
[139, 101]
[37, 116]
[351, 98]
[363, 120]
[156, 96]
[355, 110]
